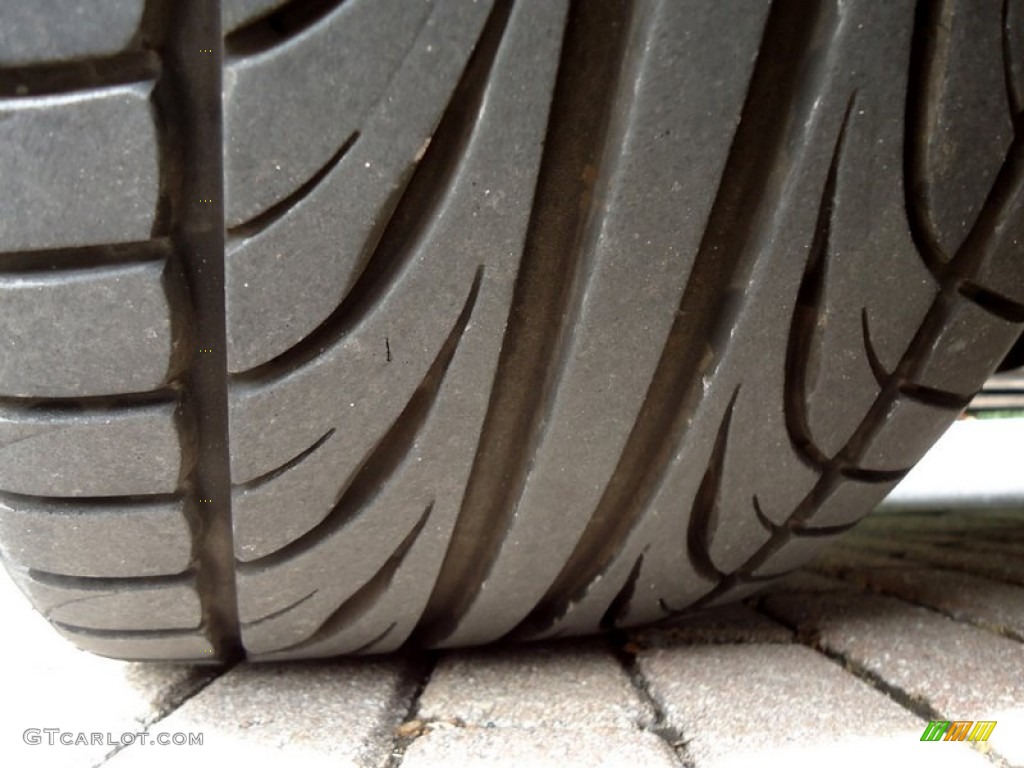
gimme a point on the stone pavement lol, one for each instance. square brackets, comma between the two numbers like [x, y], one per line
[911, 617]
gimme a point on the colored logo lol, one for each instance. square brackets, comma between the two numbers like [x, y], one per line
[958, 730]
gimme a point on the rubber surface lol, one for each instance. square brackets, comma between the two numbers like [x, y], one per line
[335, 326]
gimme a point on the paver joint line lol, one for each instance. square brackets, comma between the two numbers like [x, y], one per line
[174, 702]
[694, 695]
[400, 740]
[660, 727]
[812, 640]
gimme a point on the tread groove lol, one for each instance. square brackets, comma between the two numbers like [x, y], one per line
[765, 521]
[367, 595]
[62, 78]
[279, 210]
[278, 26]
[36, 406]
[387, 254]
[531, 347]
[387, 455]
[874, 362]
[278, 612]
[620, 603]
[117, 584]
[725, 252]
[189, 117]
[704, 515]
[1012, 99]
[993, 302]
[800, 344]
[925, 52]
[163, 634]
[984, 235]
[275, 473]
[822, 530]
[83, 258]
[865, 475]
[54, 503]
[938, 398]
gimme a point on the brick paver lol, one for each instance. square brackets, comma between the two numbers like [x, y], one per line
[552, 686]
[549, 748]
[974, 525]
[726, 701]
[995, 605]
[739, 685]
[846, 555]
[959, 671]
[978, 558]
[337, 714]
[47, 683]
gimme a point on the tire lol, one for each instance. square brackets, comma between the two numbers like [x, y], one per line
[483, 320]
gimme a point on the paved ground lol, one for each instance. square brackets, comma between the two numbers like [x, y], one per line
[911, 617]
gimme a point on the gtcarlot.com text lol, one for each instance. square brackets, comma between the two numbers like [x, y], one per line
[58, 737]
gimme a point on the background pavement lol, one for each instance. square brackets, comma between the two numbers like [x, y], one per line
[911, 617]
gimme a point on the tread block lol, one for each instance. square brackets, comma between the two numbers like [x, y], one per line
[101, 604]
[909, 428]
[100, 453]
[84, 332]
[846, 504]
[790, 556]
[128, 539]
[671, 145]
[967, 349]
[1001, 270]
[78, 169]
[728, 288]
[307, 96]
[300, 487]
[966, 126]
[36, 31]
[156, 645]
[284, 280]
[1014, 50]
[406, 430]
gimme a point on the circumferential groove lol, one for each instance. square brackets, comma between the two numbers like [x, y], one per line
[581, 109]
[725, 257]
[188, 106]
